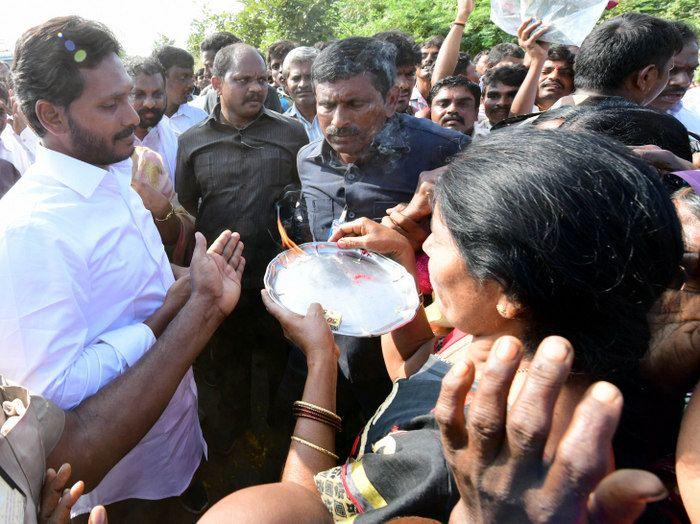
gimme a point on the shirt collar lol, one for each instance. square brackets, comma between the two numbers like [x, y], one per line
[214, 119]
[81, 177]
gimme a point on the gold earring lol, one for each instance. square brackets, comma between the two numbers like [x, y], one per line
[501, 308]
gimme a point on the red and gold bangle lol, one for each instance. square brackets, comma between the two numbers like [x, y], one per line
[301, 412]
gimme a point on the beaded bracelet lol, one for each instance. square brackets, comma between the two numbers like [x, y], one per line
[314, 447]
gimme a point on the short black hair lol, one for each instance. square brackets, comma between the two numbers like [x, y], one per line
[407, 51]
[561, 53]
[148, 66]
[456, 81]
[634, 126]
[218, 41]
[621, 46]
[510, 75]
[170, 56]
[280, 49]
[434, 41]
[687, 32]
[463, 62]
[355, 56]
[504, 50]
[568, 254]
[49, 57]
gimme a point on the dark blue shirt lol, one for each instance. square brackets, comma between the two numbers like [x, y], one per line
[402, 150]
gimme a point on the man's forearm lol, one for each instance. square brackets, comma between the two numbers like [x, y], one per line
[104, 428]
[525, 99]
[448, 57]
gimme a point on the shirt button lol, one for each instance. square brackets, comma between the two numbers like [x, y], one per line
[351, 215]
[351, 177]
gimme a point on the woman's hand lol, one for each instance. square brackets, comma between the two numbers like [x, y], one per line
[366, 234]
[496, 454]
[310, 333]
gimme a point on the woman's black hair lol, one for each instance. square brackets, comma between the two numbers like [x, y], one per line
[583, 234]
[574, 227]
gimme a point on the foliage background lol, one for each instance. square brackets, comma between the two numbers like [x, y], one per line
[261, 22]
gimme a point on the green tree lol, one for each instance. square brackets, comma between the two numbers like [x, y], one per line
[162, 40]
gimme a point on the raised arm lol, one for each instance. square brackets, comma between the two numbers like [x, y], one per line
[106, 426]
[448, 56]
[536, 53]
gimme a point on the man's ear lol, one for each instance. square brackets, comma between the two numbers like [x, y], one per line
[52, 117]
[391, 98]
[216, 84]
[646, 78]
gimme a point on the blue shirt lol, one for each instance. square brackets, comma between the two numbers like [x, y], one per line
[401, 151]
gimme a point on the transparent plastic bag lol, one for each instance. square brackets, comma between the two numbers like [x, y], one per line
[570, 21]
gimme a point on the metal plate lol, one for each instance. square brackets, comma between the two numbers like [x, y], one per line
[372, 294]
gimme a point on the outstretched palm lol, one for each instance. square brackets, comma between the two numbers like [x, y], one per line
[217, 272]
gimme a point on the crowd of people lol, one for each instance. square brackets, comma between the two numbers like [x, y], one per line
[544, 197]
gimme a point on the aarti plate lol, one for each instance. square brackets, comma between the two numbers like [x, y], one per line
[367, 294]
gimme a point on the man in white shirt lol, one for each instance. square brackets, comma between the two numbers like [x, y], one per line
[296, 77]
[11, 147]
[87, 288]
[179, 83]
[671, 100]
[149, 99]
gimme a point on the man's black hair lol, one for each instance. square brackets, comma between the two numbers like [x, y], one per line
[148, 66]
[280, 49]
[561, 53]
[687, 32]
[463, 62]
[407, 51]
[510, 75]
[4, 92]
[501, 51]
[456, 81]
[622, 46]
[433, 41]
[170, 56]
[356, 56]
[218, 40]
[48, 60]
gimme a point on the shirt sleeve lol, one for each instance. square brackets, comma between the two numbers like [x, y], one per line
[186, 185]
[44, 311]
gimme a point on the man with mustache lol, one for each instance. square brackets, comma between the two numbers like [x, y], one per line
[296, 78]
[88, 289]
[370, 161]
[424, 73]
[550, 75]
[454, 104]
[231, 170]
[501, 84]
[178, 65]
[149, 101]
[408, 56]
[680, 79]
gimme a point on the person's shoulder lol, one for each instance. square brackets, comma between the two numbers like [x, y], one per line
[291, 125]
[312, 149]
[193, 133]
[428, 128]
[194, 112]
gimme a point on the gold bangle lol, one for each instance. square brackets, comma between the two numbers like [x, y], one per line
[168, 216]
[314, 446]
[317, 408]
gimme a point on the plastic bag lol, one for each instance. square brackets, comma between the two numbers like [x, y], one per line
[570, 21]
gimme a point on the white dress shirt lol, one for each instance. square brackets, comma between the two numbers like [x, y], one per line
[688, 115]
[163, 140]
[185, 117]
[82, 266]
[13, 149]
[313, 129]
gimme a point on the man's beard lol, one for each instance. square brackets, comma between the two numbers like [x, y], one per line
[146, 123]
[95, 150]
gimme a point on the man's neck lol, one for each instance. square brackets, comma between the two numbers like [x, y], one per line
[307, 111]
[59, 147]
[171, 109]
[234, 120]
[141, 132]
